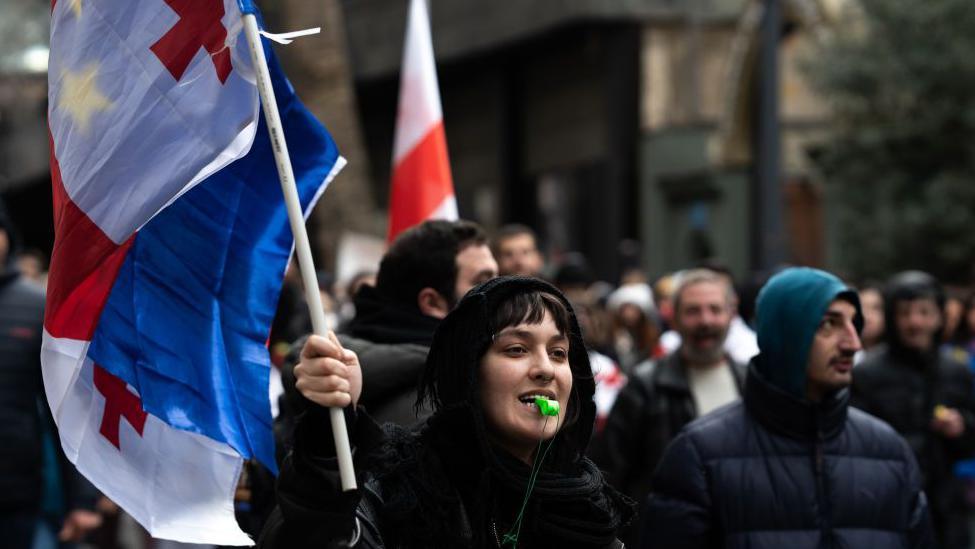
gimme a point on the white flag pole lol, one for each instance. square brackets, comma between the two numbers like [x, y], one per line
[303, 250]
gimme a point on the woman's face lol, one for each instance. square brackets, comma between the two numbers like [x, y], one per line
[525, 361]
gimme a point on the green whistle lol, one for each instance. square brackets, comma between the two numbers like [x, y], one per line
[547, 407]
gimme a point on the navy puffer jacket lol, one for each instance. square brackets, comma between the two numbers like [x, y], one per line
[776, 471]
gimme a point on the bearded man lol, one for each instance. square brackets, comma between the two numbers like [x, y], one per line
[664, 395]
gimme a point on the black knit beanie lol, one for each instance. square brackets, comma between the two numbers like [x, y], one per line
[909, 286]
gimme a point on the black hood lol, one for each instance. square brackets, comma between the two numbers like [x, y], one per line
[908, 286]
[450, 380]
[570, 505]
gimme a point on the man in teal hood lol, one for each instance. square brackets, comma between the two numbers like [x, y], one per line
[790, 310]
[792, 465]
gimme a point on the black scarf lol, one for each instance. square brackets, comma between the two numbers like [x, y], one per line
[446, 486]
[383, 320]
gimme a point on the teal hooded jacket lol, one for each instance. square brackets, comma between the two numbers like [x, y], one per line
[789, 310]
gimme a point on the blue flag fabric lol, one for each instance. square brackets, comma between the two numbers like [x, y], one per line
[187, 321]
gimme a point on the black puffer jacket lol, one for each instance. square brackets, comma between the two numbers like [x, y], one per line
[22, 307]
[903, 389]
[24, 412]
[445, 484]
[652, 408]
[778, 472]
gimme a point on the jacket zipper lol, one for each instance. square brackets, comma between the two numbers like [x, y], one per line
[822, 493]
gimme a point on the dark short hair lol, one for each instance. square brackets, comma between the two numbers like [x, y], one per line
[911, 285]
[530, 308]
[510, 231]
[425, 256]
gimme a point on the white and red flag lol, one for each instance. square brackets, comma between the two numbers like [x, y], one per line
[171, 241]
[422, 187]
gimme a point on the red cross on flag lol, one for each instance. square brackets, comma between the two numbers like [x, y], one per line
[422, 187]
[199, 27]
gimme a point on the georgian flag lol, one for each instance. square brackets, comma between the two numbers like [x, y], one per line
[422, 187]
[171, 244]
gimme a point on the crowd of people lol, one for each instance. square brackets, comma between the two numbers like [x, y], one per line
[717, 430]
[496, 399]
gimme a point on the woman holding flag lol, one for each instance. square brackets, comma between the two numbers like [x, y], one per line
[499, 464]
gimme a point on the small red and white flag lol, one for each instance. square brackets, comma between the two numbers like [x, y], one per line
[422, 187]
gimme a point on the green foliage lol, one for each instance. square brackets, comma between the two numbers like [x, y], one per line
[899, 76]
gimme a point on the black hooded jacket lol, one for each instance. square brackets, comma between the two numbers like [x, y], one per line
[443, 484]
[778, 470]
[903, 386]
[775, 471]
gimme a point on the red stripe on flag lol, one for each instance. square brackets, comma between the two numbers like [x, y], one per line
[421, 182]
[84, 265]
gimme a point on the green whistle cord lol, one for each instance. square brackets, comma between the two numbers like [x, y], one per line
[510, 540]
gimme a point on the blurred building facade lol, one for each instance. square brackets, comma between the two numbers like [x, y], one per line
[593, 121]
[596, 121]
[25, 182]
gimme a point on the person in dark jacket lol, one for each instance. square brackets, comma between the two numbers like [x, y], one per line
[30, 452]
[487, 469]
[925, 393]
[662, 396]
[792, 465]
[422, 276]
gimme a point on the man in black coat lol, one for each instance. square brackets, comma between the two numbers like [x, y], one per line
[25, 420]
[663, 396]
[421, 278]
[792, 466]
[925, 394]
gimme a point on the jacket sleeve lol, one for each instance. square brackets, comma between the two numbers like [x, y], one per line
[78, 492]
[678, 511]
[388, 369]
[963, 447]
[618, 449]
[312, 509]
[919, 530]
